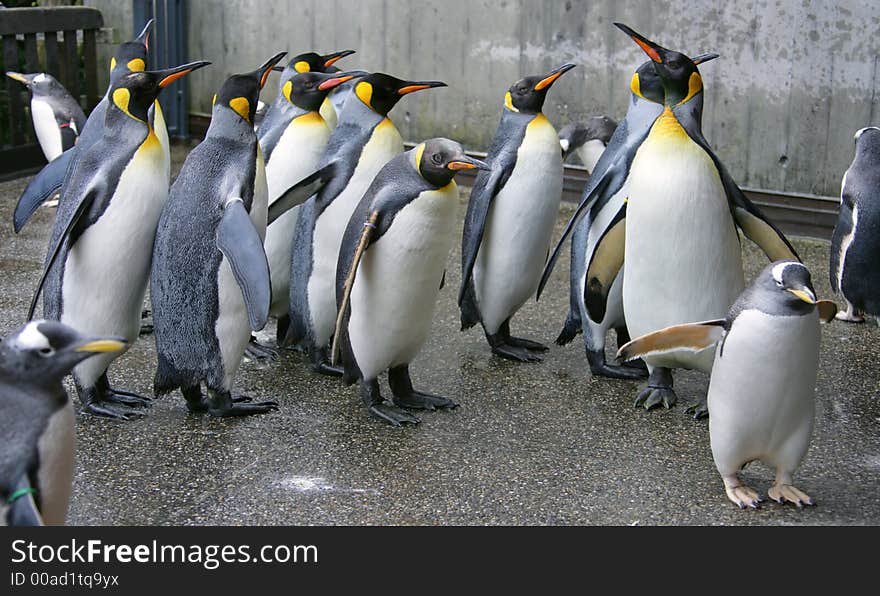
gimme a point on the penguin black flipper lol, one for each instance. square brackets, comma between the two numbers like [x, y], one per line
[573, 322]
[41, 188]
[843, 230]
[238, 240]
[300, 192]
[604, 265]
[23, 510]
[747, 216]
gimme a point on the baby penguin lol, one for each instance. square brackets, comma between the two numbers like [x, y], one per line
[762, 390]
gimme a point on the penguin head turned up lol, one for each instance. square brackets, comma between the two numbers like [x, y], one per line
[241, 92]
[43, 352]
[39, 84]
[309, 62]
[527, 95]
[789, 282]
[647, 84]
[308, 90]
[678, 73]
[131, 56]
[381, 92]
[439, 160]
[134, 92]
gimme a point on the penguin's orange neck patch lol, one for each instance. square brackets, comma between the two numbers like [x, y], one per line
[668, 127]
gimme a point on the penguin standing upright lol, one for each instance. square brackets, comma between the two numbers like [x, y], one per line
[390, 271]
[762, 390]
[57, 116]
[37, 420]
[129, 57]
[855, 245]
[510, 218]
[210, 280]
[364, 141]
[98, 262]
[597, 250]
[586, 139]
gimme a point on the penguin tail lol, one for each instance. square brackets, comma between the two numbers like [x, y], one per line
[569, 331]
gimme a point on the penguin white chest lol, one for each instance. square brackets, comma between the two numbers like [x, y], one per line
[590, 152]
[398, 281]
[48, 133]
[683, 258]
[762, 391]
[519, 226]
[56, 449]
[330, 226]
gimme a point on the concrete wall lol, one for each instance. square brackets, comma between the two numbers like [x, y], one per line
[795, 79]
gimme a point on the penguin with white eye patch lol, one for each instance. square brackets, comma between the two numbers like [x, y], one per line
[762, 391]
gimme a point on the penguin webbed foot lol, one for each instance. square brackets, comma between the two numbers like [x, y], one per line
[257, 351]
[517, 354]
[379, 408]
[392, 415]
[416, 400]
[658, 391]
[698, 410]
[321, 363]
[127, 398]
[514, 348]
[103, 411]
[782, 493]
[221, 404]
[743, 496]
[519, 342]
[599, 367]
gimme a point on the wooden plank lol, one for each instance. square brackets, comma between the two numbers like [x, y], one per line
[53, 66]
[71, 59]
[16, 107]
[90, 59]
[59, 18]
[22, 160]
[31, 57]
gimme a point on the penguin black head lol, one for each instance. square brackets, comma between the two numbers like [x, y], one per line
[135, 92]
[309, 89]
[381, 92]
[309, 62]
[46, 351]
[527, 95]
[791, 282]
[131, 56]
[868, 141]
[646, 83]
[241, 92]
[40, 84]
[678, 73]
[576, 134]
[438, 160]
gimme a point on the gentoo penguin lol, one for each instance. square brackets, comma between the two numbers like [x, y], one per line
[510, 218]
[130, 56]
[364, 140]
[57, 116]
[587, 139]
[591, 310]
[98, 261]
[37, 419]
[677, 189]
[294, 154]
[855, 244]
[391, 268]
[762, 390]
[210, 279]
[269, 133]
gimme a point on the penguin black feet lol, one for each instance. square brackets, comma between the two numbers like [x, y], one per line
[146, 322]
[258, 351]
[378, 408]
[515, 348]
[407, 397]
[321, 363]
[221, 404]
[600, 368]
[103, 401]
[657, 391]
[698, 410]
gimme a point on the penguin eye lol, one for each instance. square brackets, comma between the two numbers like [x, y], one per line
[437, 159]
[45, 352]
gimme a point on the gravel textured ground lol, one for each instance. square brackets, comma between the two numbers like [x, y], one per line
[532, 443]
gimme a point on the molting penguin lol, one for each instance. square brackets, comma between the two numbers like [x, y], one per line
[130, 56]
[364, 141]
[37, 420]
[586, 139]
[98, 262]
[597, 249]
[678, 189]
[57, 116]
[855, 245]
[510, 218]
[210, 280]
[390, 271]
[762, 391]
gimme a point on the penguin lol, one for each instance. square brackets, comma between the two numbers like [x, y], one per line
[129, 57]
[762, 389]
[590, 312]
[37, 419]
[510, 218]
[364, 140]
[295, 154]
[57, 116]
[855, 243]
[98, 261]
[210, 279]
[390, 271]
[677, 188]
[586, 139]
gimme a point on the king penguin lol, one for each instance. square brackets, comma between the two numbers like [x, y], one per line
[210, 281]
[391, 268]
[592, 311]
[510, 218]
[98, 261]
[762, 391]
[129, 57]
[57, 116]
[364, 140]
[37, 419]
[587, 139]
[855, 245]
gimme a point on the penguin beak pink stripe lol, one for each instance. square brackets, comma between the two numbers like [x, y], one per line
[333, 83]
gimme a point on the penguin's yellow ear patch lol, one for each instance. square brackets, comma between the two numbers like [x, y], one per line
[136, 65]
[635, 85]
[213, 101]
[242, 107]
[364, 91]
[420, 150]
[695, 85]
[302, 66]
[288, 87]
[508, 102]
[112, 62]
[121, 99]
